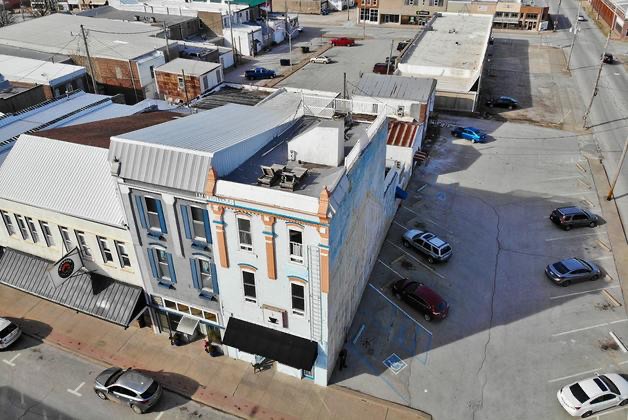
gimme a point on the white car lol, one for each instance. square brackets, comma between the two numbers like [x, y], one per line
[594, 394]
[581, 18]
[9, 333]
[321, 59]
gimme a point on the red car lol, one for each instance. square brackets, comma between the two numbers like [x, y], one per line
[343, 42]
[421, 298]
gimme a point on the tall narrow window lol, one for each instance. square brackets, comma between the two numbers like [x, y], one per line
[105, 252]
[198, 224]
[8, 223]
[65, 236]
[82, 241]
[45, 229]
[244, 230]
[154, 218]
[248, 280]
[205, 275]
[123, 254]
[296, 245]
[298, 298]
[22, 225]
[32, 229]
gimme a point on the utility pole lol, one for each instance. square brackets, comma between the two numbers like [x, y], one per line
[609, 197]
[89, 60]
[344, 85]
[597, 80]
[575, 32]
[363, 26]
[233, 51]
[347, 10]
[557, 14]
[185, 89]
[166, 36]
[392, 43]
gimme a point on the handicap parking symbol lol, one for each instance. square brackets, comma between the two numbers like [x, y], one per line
[394, 363]
[441, 196]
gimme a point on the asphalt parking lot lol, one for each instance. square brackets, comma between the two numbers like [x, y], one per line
[512, 338]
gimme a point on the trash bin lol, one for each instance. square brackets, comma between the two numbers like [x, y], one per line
[284, 61]
[305, 50]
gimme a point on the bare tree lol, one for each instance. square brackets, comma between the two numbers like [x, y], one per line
[44, 8]
[6, 18]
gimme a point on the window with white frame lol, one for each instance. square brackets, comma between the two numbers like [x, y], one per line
[22, 225]
[162, 264]
[248, 281]
[123, 254]
[105, 251]
[65, 236]
[244, 233]
[32, 228]
[45, 229]
[181, 83]
[298, 298]
[152, 211]
[82, 242]
[8, 223]
[205, 273]
[296, 245]
[198, 223]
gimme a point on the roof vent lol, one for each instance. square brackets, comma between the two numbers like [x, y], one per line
[291, 178]
[270, 175]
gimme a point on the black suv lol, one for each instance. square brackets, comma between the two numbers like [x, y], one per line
[568, 217]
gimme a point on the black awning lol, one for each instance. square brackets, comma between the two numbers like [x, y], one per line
[85, 292]
[288, 349]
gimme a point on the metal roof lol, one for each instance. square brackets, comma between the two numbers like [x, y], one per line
[92, 294]
[28, 70]
[230, 95]
[397, 87]
[68, 178]
[109, 12]
[60, 33]
[190, 67]
[402, 133]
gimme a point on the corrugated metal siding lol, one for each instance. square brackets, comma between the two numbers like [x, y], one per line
[99, 296]
[68, 178]
[401, 133]
[391, 86]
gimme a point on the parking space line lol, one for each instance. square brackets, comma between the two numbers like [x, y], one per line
[588, 328]
[623, 363]
[400, 309]
[410, 210]
[582, 293]
[558, 238]
[416, 259]
[75, 391]
[10, 362]
[551, 381]
[614, 410]
[159, 415]
[388, 267]
[400, 225]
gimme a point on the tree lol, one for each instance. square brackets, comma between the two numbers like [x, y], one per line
[6, 18]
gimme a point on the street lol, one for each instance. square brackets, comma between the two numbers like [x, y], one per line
[41, 381]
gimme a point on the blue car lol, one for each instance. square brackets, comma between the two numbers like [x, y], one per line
[469, 133]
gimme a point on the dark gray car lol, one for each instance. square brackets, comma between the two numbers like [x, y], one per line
[568, 217]
[572, 270]
[129, 387]
[433, 247]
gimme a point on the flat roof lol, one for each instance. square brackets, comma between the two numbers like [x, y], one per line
[108, 12]
[190, 67]
[276, 152]
[230, 95]
[452, 52]
[176, 7]
[37, 55]
[60, 33]
[28, 70]
[397, 87]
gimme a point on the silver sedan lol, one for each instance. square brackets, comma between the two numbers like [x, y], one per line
[571, 270]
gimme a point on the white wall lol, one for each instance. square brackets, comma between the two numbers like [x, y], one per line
[53, 253]
[323, 144]
[143, 67]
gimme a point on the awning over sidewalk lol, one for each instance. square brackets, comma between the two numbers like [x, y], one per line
[90, 293]
[288, 349]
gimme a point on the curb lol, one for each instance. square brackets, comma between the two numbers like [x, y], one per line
[390, 405]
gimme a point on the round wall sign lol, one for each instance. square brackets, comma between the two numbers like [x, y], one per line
[66, 268]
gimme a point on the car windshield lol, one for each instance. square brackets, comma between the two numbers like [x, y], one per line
[445, 250]
[609, 384]
[560, 267]
[8, 330]
[114, 377]
[441, 307]
[579, 393]
[585, 264]
[150, 391]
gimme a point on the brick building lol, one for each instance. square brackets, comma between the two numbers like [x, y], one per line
[613, 12]
[182, 80]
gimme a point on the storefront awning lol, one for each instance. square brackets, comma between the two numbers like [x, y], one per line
[187, 325]
[85, 292]
[287, 349]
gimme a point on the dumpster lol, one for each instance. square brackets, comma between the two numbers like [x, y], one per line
[305, 50]
[284, 61]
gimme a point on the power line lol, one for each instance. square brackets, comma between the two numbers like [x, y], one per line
[153, 31]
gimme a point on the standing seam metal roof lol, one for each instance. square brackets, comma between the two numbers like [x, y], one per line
[398, 87]
[68, 178]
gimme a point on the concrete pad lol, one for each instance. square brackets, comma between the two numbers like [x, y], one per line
[19, 302]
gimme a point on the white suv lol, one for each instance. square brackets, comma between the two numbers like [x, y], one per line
[9, 333]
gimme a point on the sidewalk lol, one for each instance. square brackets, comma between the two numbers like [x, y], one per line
[616, 233]
[223, 383]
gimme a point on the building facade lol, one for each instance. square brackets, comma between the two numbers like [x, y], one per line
[182, 80]
[403, 12]
[613, 12]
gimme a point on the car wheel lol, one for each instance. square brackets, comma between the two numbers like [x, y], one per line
[592, 224]
[430, 260]
[101, 395]
[565, 283]
[491, 105]
[587, 414]
[624, 402]
[427, 317]
[397, 296]
[567, 227]
[510, 107]
[406, 243]
[136, 409]
[595, 277]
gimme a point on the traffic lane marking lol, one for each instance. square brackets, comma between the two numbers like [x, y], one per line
[75, 391]
[604, 324]
[582, 293]
[416, 259]
[10, 362]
